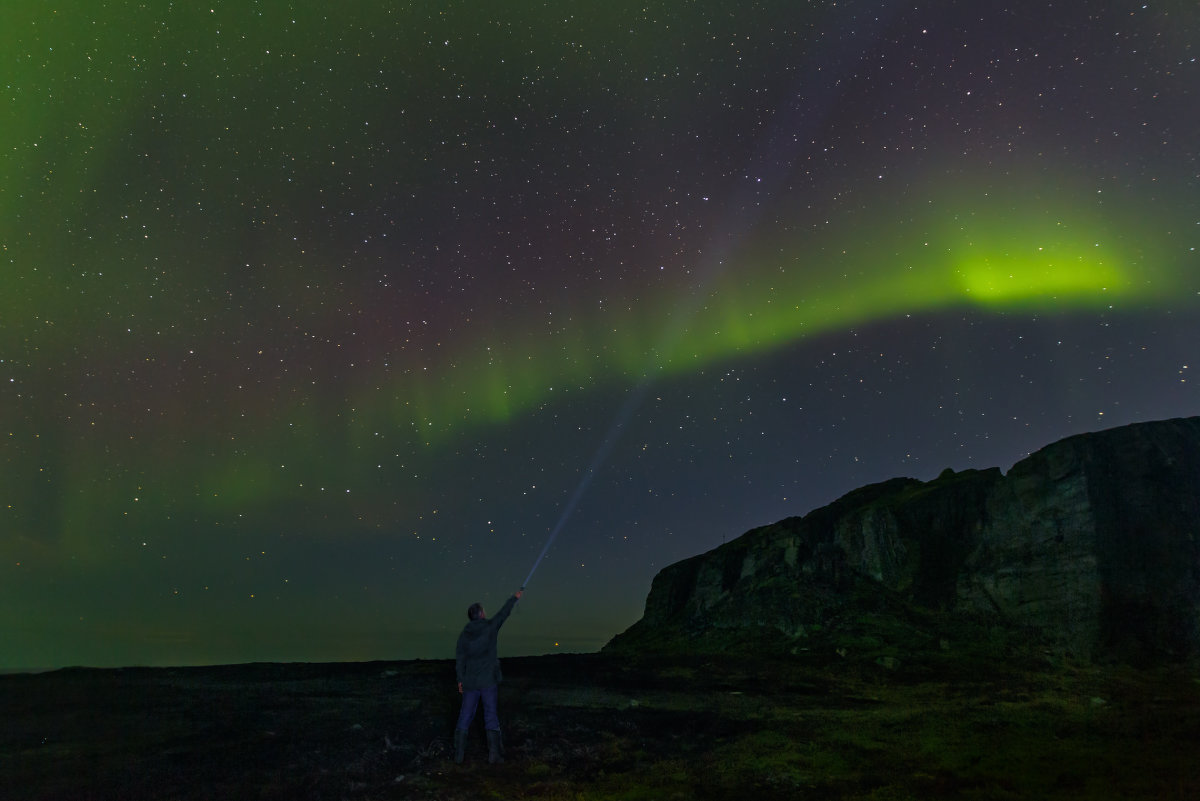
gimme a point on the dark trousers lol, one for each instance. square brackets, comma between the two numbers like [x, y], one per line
[470, 700]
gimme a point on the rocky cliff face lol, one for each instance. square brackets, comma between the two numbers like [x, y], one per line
[1093, 542]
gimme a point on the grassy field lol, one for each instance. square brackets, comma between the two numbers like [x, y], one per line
[595, 727]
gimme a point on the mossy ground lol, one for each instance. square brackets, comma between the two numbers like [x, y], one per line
[597, 727]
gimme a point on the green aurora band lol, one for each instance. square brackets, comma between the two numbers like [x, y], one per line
[994, 256]
[997, 256]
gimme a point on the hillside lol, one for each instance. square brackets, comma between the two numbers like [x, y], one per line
[1089, 548]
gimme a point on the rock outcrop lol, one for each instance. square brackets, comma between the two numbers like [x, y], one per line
[1093, 543]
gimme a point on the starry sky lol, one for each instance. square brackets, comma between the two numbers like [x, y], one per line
[319, 322]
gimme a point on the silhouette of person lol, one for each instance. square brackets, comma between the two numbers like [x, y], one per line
[478, 669]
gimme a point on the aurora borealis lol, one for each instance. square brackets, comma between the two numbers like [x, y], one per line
[312, 321]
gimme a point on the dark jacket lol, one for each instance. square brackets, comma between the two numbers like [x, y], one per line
[475, 657]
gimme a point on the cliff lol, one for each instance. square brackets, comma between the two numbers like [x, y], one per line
[1091, 544]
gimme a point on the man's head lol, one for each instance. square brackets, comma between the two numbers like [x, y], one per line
[475, 611]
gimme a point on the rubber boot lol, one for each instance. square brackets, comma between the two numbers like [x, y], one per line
[460, 745]
[495, 747]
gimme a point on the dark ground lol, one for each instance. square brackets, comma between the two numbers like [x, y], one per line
[594, 727]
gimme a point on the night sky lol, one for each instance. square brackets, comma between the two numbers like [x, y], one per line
[316, 319]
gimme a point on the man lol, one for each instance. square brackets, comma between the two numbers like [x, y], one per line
[478, 669]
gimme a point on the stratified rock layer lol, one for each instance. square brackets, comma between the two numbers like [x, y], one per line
[1092, 542]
